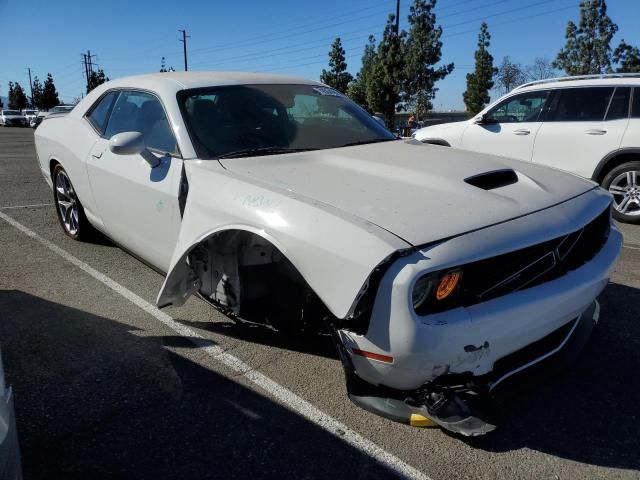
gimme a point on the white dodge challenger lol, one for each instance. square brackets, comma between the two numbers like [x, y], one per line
[439, 273]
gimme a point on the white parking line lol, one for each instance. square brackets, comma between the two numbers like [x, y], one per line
[282, 394]
[630, 247]
[26, 206]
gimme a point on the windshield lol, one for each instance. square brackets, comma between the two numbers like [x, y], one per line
[11, 112]
[29, 112]
[61, 108]
[247, 120]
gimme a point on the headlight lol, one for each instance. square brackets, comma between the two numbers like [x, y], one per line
[437, 291]
[421, 290]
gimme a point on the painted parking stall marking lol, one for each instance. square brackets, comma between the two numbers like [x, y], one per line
[274, 389]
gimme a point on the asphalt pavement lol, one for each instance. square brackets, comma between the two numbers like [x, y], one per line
[107, 387]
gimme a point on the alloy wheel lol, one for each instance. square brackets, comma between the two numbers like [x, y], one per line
[625, 189]
[67, 203]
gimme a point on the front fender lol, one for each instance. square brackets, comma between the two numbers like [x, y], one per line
[333, 251]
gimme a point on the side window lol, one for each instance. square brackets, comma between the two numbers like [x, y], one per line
[142, 112]
[100, 111]
[635, 108]
[619, 106]
[525, 107]
[580, 104]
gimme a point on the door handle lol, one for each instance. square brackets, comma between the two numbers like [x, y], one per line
[99, 155]
[522, 131]
[595, 131]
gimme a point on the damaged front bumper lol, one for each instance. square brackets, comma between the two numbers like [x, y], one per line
[455, 402]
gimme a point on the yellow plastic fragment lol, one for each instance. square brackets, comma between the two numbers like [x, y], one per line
[417, 420]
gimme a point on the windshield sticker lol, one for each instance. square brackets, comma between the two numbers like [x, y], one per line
[327, 91]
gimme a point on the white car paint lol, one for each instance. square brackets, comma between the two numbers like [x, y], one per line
[587, 148]
[342, 217]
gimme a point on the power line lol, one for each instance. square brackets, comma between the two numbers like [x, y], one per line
[286, 50]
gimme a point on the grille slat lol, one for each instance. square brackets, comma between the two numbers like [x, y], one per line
[531, 266]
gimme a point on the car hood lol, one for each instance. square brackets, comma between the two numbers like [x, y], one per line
[12, 117]
[413, 190]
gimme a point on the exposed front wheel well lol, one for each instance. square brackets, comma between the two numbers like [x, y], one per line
[246, 276]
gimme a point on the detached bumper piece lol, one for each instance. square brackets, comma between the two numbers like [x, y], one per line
[460, 402]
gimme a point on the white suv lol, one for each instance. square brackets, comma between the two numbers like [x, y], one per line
[588, 125]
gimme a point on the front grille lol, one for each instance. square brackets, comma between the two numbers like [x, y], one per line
[531, 266]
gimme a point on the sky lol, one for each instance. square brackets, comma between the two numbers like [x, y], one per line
[279, 36]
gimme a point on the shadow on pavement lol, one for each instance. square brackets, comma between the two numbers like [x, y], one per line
[314, 344]
[98, 399]
[590, 412]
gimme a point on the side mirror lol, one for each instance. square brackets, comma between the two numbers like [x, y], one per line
[132, 143]
[481, 119]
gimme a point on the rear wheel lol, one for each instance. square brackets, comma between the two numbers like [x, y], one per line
[68, 207]
[623, 182]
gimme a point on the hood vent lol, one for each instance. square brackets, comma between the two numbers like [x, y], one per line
[494, 179]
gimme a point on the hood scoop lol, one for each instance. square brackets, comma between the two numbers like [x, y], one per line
[494, 179]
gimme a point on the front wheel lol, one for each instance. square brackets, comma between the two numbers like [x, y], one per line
[68, 207]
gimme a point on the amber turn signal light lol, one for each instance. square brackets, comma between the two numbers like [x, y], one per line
[448, 284]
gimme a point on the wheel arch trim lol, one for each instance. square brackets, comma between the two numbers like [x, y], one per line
[603, 165]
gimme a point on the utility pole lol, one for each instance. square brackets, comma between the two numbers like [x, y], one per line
[184, 46]
[90, 66]
[30, 85]
[86, 66]
[397, 17]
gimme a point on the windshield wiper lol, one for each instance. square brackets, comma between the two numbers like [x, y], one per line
[366, 142]
[256, 152]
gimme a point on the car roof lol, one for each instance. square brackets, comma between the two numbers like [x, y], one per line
[185, 80]
[167, 84]
[581, 81]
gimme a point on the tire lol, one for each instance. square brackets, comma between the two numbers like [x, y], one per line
[623, 182]
[69, 210]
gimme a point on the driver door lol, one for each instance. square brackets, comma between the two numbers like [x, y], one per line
[509, 129]
[138, 204]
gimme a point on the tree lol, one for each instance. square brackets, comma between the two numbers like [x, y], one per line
[17, 98]
[36, 95]
[10, 94]
[627, 57]
[509, 75]
[95, 79]
[337, 75]
[49, 94]
[387, 74]
[588, 49]
[541, 69]
[357, 89]
[480, 81]
[423, 50]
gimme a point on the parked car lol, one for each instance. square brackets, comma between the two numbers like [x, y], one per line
[55, 110]
[30, 115]
[10, 468]
[588, 125]
[278, 200]
[12, 118]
